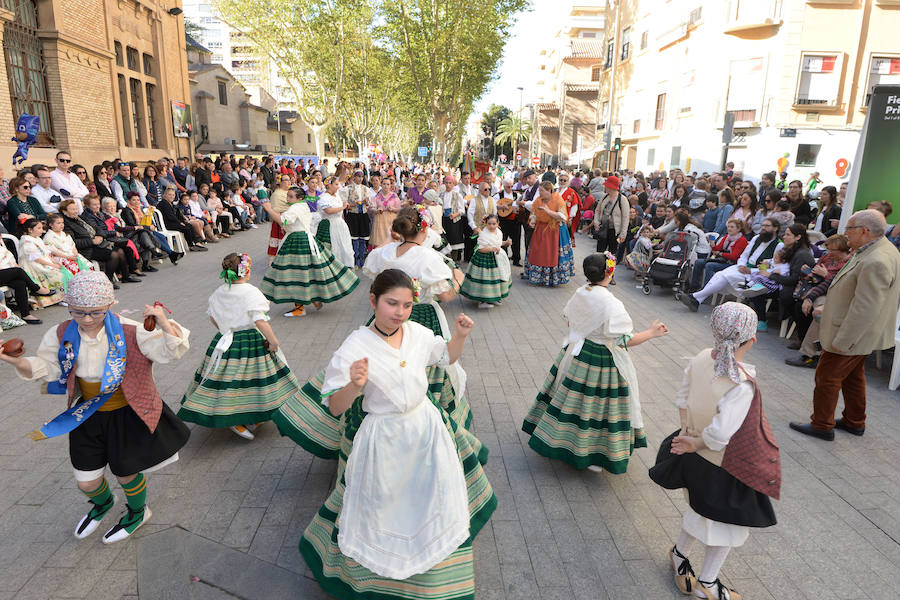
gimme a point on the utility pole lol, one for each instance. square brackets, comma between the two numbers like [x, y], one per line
[612, 87]
[516, 149]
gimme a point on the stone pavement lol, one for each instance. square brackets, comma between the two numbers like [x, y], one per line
[230, 512]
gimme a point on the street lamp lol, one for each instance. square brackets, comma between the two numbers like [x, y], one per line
[516, 149]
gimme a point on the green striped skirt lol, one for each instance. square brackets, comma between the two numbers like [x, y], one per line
[248, 385]
[297, 275]
[310, 424]
[587, 420]
[482, 282]
[344, 578]
[323, 233]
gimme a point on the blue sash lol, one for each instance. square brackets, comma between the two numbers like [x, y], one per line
[113, 372]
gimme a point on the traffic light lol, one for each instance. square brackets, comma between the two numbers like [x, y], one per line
[617, 145]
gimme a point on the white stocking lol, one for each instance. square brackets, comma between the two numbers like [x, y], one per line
[712, 564]
[683, 545]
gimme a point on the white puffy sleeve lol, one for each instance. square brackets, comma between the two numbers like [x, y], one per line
[257, 304]
[733, 408]
[159, 346]
[437, 352]
[45, 362]
[681, 396]
[434, 269]
[619, 324]
[373, 264]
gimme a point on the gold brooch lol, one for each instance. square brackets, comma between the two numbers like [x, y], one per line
[402, 363]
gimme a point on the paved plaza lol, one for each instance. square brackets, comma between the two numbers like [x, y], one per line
[227, 516]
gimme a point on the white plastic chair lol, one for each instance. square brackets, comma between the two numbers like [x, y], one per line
[175, 238]
[4, 290]
[895, 369]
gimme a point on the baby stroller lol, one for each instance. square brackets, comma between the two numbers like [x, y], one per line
[673, 266]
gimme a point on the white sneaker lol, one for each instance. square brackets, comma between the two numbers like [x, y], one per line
[595, 468]
[485, 305]
[254, 225]
[119, 531]
[242, 431]
[91, 521]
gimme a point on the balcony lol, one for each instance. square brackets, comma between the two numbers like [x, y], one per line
[753, 19]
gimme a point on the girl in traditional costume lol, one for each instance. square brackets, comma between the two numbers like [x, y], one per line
[386, 204]
[725, 456]
[488, 278]
[411, 494]
[302, 417]
[37, 260]
[63, 250]
[104, 364]
[244, 377]
[332, 232]
[303, 272]
[588, 411]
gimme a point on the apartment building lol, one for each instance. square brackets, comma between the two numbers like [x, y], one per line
[794, 75]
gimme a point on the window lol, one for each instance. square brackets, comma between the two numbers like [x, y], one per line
[676, 157]
[123, 109]
[687, 93]
[283, 141]
[695, 16]
[137, 112]
[743, 115]
[595, 72]
[588, 34]
[223, 94]
[883, 70]
[148, 64]
[309, 138]
[651, 156]
[644, 39]
[25, 68]
[152, 115]
[132, 55]
[626, 43]
[637, 126]
[660, 111]
[610, 52]
[120, 56]
[819, 80]
[807, 154]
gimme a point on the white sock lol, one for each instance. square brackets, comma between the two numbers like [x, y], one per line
[683, 544]
[712, 564]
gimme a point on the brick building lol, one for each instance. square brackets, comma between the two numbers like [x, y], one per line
[103, 77]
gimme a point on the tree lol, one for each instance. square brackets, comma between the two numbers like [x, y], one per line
[490, 121]
[513, 129]
[307, 42]
[448, 53]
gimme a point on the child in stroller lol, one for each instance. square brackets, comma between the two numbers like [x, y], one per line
[673, 265]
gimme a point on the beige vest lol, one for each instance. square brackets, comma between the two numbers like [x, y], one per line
[703, 400]
[480, 212]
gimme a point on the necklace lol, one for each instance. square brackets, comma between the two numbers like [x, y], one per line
[411, 242]
[387, 335]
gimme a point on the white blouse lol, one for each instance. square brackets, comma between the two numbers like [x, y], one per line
[7, 258]
[423, 264]
[157, 345]
[32, 248]
[237, 307]
[61, 241]
[733, 408]
[326, 200]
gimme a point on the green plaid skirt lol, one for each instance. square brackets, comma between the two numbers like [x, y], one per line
[344, 578]
[248, 385]
[587, 420]
[298, 276]
[323, 233]
[482, 282]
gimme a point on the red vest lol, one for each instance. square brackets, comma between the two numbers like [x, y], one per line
[752, 455]
[137, 383]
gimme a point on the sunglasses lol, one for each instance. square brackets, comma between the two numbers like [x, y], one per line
[27, 186]
[81, 172]
[64, 160]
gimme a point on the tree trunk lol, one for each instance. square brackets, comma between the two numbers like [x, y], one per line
[318, 131]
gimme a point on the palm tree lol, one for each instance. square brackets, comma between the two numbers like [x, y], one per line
[512, 129]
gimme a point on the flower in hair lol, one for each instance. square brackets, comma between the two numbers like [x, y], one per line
[610, 263]
[424, 216]
[244, 266]
[417, 290]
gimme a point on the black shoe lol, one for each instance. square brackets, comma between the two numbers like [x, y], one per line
[151, 269]
[36, 321]
[517, 263]
[50, 292]
[810, 362]
[116, 286]
[857, 431]
[139, 274]
[808, 429]
[130, 279]
[690, 302]
[175, 257]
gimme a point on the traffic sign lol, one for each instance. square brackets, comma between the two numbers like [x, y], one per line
[536, 160]
[519, 155]
[423, 150]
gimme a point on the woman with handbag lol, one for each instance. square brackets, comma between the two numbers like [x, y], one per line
[610, 217]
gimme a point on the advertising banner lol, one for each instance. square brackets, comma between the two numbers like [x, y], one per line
[181, 119]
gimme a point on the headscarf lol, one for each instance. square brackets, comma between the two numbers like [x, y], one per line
[88, 289]
[732, 324]
[432, 196]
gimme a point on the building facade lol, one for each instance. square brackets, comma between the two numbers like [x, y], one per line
[792, 75]
[102, 76]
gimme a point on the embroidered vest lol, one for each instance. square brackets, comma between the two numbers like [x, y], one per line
[752, 455]
[137, 383]
[480, 211]
[767, 253]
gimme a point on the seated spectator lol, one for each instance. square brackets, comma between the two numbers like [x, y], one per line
[881, 206]
[68, 180]
[783, 216]
[726, 208]
[63, 250]
[200, 224]
[42, 191]
[152, 184]
[35, 258]
[22, 206]
[798, 204]
[762, 247]
[679, 196]
[686, 224]
[809, 295]
[15, 278]
[101, 182]
[174, 220]
[726, 251]
[92, 244]
[829, 214]
[105, 225]
[668, 226]
[796, 255]
[134, 215]
[224, 219]
[141, 240]
[747, 207]
[712, 211]
[696, 197]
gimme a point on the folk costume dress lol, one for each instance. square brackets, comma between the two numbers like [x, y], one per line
[489, 276]
[411, 493]
[30, 250]
[279, 204]
[333, 232]
[381, 225]
[303, 272]
[548, 261]
[63, 242]
[306, 421]
[240, 382]
[455, 231]
[588, 410]
[357, 217]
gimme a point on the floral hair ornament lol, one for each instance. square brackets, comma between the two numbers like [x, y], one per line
[610, 264]
[244, 266]
[424, 216]
[417, 290]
